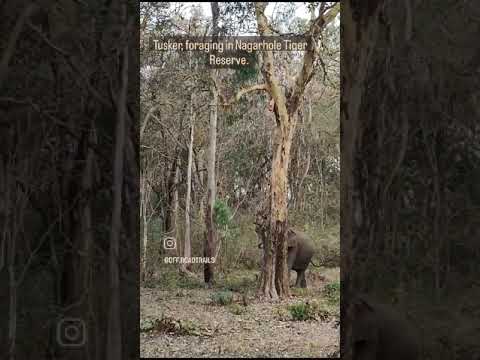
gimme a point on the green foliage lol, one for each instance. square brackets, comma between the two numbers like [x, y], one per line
[332, 293]
[168, 279]
[169, 325]
[247, 73]
[239, 246]
[237, 309]
[302, 292]
[222, 298]
[329, 256]
[282, 314]
[239, 282]
[171, 279]
[249, 258]
[186, 282]
[147, 325]
[302, 311]
[238, 17]
[149, 284]
[222, 214]
[312, 310]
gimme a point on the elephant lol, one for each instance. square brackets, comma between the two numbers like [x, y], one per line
[380, 332]
[299, 254]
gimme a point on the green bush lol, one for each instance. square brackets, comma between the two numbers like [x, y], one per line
[222, 214]
[169, 325]
[312, 310]
[302, 292]
[237, 309]
[167, 279]
[222, 298]
[239, 283]
[302, 311]
[332, 292]
[189, 283]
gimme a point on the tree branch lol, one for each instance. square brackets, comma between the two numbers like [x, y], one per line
[305, 75]
[242, 92]
[268, 69]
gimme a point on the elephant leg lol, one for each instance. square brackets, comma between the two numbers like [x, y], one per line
[301, 282]
[300, 276]
[291, 254]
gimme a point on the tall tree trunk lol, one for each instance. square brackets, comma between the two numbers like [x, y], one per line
[12, 319]
[200, 166]
[85, 240]
[301, 190]
[187, 251]
[8, 239]
[279, 210]
[285, 108]
[114, 333]
[173, 226]
[358, 34]
[210, 239]
[77, 296]
[275, 274]
[322, 196]
[145, 192]
[172, 197]
[275, 248]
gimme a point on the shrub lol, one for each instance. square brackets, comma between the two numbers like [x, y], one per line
[222, 298]
[239, 282]
[186, 282]
[310, 311]
[332, 292]
[302, 311]
[170, 325]
[237, 309]
[222, 214]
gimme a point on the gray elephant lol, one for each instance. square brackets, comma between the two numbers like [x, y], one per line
[380, 332]
[299, 254]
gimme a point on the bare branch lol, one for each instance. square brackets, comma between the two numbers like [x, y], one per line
[242, 92]
[305, 75]
[274, 88]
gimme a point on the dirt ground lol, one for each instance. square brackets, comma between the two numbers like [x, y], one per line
[195, 326]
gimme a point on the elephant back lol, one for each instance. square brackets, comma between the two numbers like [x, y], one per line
[300, 238]
[303, 249]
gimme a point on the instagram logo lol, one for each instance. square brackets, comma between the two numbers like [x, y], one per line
[71, 332]
[169, 243]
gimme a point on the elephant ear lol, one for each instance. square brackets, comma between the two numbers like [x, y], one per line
[291, 238]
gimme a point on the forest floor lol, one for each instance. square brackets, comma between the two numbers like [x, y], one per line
[186, 320]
